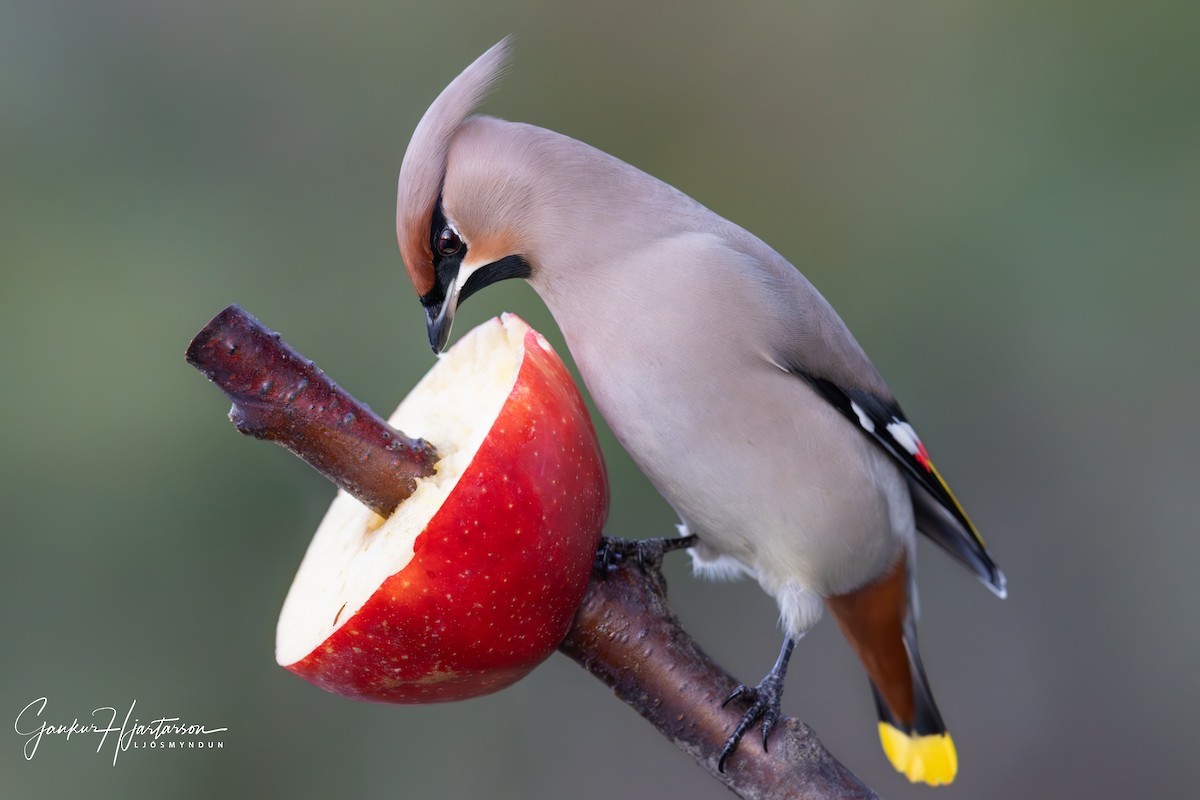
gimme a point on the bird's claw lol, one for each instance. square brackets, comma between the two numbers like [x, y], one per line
[648, 552]
[736, 693]
[765, 701]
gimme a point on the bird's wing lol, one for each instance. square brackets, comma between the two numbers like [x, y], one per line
[938, 514]
[802, 334]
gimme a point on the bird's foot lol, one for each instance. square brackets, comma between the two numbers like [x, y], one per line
[765, 700]
[648, 552]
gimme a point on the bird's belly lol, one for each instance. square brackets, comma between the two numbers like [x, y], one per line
[766, 473]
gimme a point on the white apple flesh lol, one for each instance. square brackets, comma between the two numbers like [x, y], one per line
[474, 579]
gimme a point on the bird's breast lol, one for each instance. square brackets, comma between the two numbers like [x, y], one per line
[752, 460]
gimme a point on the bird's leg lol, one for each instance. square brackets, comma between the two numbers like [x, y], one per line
[764, 699]
[648, 552]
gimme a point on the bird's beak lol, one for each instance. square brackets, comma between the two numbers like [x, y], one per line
[439, 319]
[457, 284]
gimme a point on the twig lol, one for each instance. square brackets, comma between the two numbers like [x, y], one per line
[280, 396]
[624, 633]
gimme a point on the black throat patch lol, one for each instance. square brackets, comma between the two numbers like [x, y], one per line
[446, 268]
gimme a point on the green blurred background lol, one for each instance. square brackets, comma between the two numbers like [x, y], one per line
[1003, 201]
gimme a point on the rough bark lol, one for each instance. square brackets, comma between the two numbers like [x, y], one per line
[627, 636]
[280, 396]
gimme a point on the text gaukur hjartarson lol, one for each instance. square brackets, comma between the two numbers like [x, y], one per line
[161, 733]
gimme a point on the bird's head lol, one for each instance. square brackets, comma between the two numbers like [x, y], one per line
[457, 222]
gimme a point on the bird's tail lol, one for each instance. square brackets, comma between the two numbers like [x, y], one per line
[879, 625]
[920, 749]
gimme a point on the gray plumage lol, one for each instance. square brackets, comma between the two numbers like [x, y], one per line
[723, 372]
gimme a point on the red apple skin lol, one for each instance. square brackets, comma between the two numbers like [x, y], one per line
[500, 569]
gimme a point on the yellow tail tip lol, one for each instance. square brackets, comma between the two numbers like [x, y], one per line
[929, 759]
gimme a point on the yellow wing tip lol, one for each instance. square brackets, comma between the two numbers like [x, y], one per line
[929, 759]
[970, 525]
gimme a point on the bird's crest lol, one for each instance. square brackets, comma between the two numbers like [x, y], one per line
[424, 165]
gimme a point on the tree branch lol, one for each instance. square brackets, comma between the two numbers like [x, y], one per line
[625, 633]
[627, 636]
[280, 396]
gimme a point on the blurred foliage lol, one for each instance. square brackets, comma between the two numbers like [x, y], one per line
[1001, 199]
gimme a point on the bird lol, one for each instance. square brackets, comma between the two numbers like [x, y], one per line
[728, 378]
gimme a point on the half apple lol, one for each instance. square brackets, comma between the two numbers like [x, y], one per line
[474, 579]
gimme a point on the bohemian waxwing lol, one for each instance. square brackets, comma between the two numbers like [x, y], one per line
[730, 380]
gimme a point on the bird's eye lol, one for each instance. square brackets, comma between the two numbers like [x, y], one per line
[448, 242]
